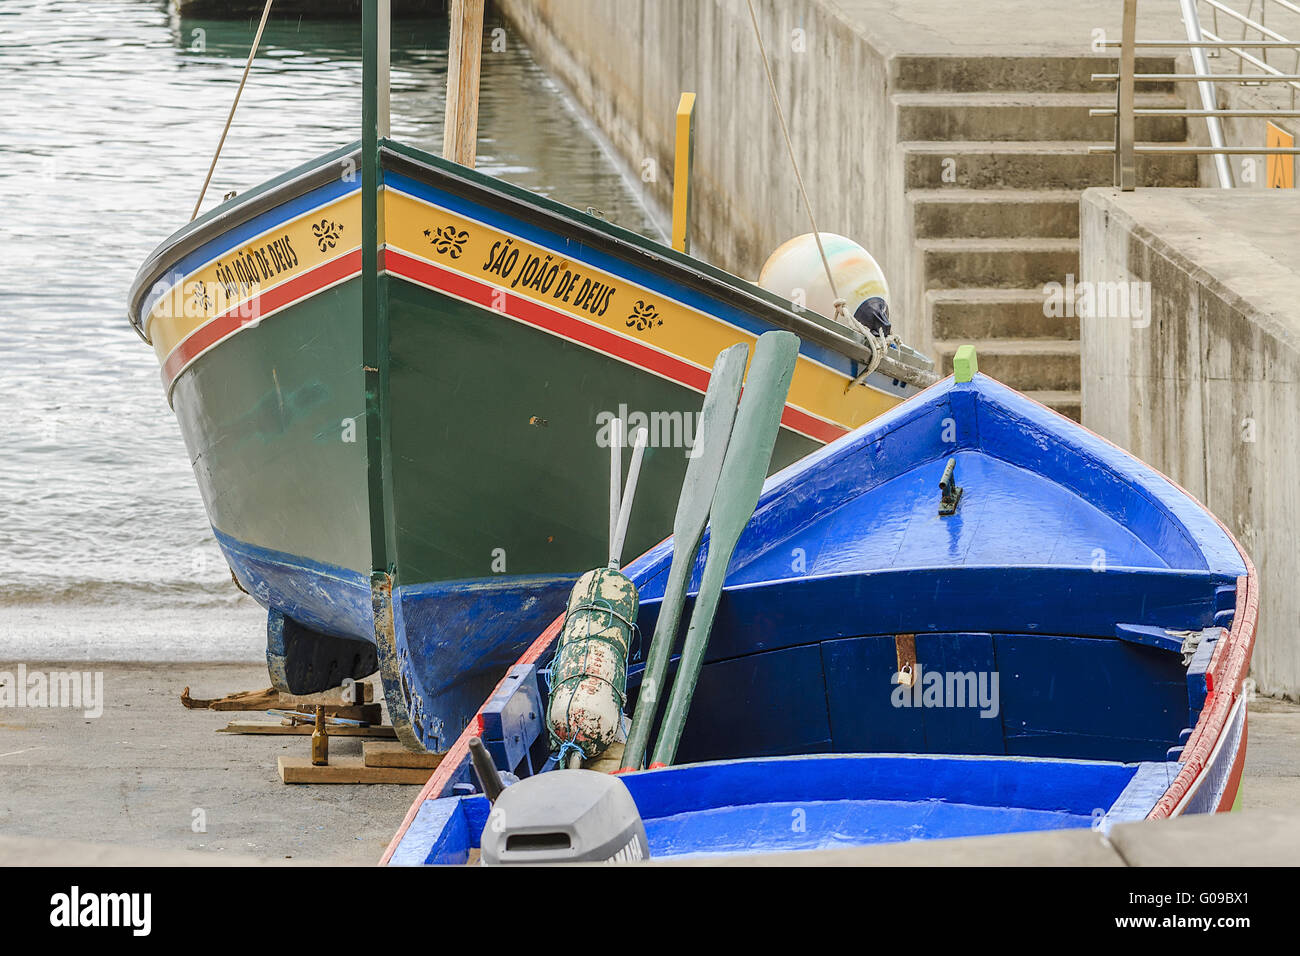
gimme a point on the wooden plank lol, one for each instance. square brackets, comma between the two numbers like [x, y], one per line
[460, 129]
[362, 692]
[346, 770]
[277, 728]
[381, 753]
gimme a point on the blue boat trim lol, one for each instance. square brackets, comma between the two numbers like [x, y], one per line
[661, 283]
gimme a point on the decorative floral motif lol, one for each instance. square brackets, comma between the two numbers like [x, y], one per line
[447, 241]
[327, 233]
[202, 301]
[644, 316]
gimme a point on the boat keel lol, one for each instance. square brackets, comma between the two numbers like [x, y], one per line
[303, 661]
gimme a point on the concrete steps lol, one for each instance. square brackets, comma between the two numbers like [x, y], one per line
[1042, 365]
[995, 154]
[967, 315]
[1069, 404]
[985, 74]
[995, 214]
[997, 263]
[1040, 164]
[1003, 117]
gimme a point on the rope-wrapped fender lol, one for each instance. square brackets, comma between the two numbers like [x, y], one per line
[588, 675]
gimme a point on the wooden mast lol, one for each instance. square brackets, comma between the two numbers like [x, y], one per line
[460, 130]
[374, 312]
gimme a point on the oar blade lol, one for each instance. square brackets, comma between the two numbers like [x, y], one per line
[713, 434]
[749, 453]
[717, 416]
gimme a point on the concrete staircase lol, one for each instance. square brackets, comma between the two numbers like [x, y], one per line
[996, 154]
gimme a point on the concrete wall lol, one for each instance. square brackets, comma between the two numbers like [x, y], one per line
[1209, 391]
[628, 61]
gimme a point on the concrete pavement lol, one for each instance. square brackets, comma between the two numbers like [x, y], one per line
[128, 787]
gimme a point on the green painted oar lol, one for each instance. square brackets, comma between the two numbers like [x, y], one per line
[743, 470]
[711, 438]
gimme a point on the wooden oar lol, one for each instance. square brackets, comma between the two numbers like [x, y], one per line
[748, 455]
[711, 438]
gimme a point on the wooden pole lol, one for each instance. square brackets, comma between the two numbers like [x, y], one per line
[460, 131]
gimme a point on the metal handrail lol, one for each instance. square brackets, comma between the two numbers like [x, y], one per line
[1198, 42]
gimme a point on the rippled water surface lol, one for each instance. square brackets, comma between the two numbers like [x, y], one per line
[111, 111]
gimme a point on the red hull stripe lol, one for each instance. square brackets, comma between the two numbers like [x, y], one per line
[256, 308]
[480, 293]
[584, 333]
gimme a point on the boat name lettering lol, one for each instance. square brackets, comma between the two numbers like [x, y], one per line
[501, 258]
[543, 274]
[250, 267]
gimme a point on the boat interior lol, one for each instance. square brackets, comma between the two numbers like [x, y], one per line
[1056, 628]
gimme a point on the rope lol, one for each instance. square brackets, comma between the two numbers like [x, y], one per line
[840, 304]
[266, 12]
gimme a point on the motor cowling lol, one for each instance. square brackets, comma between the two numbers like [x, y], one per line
[564, 816]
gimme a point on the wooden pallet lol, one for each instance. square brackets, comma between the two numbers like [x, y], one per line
[277, 727]
[348, 769]
[381, 753]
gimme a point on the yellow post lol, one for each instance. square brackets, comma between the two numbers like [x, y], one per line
[682, 172]
[1281, 166]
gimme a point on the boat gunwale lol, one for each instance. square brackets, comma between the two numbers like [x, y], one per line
[634, 248]
[232, 214]
[572, 223]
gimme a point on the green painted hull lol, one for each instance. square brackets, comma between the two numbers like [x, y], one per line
[489, 492]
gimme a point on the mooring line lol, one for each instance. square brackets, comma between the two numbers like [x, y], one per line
[257, 39]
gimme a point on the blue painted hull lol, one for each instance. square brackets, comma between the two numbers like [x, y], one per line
[1081, 628]
[332, 608]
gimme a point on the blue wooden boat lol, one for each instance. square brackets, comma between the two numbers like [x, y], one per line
[1076, 632]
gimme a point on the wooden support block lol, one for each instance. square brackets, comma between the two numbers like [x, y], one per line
[363, 692]
[370, 713]
[346, 770]
[278, 727]
[381, 753]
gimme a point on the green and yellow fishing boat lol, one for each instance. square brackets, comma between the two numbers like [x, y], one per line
[396, 377]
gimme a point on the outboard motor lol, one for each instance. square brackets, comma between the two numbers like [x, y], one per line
[564, 816]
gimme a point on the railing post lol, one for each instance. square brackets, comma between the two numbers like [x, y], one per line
[1125, 124]
[1209, 99]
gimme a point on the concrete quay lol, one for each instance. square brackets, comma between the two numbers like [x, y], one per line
[123, 789]
[1205, 386]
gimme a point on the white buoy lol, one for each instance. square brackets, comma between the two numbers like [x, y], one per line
[795, 271]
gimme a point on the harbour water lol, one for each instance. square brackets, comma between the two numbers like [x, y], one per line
[105, 550]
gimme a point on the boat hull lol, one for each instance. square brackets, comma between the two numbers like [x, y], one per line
[418, 517]
[1117, 673]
